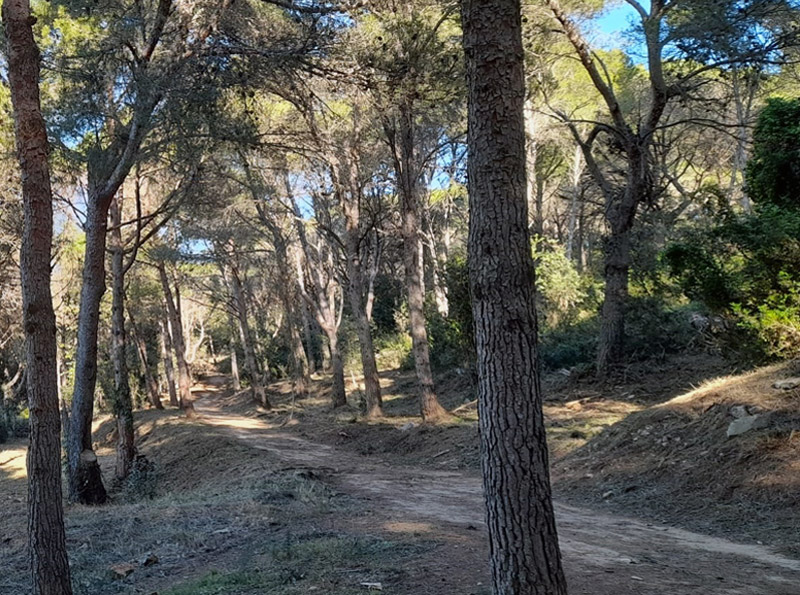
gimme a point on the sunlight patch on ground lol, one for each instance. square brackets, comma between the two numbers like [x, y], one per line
[12, 463]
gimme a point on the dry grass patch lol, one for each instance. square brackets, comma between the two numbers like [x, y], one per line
[675, 461]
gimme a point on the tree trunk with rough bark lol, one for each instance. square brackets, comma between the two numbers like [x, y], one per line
[523, 543]
[355, 294]
[620, 217]
[121, 402]
[47, 549]
[185, 400]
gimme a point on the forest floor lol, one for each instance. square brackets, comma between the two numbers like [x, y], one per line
[300, 499]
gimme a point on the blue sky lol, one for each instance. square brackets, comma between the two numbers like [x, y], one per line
[612, 24]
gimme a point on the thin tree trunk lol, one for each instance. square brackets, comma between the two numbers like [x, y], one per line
[166, 357]
[256, 383]
[307, 340]
[122, 405]
[300, 373]
[237, 382]
[575, 195]
[141, 350]
[323, 303]
[338, 396]
[372, 387]
[407, 172]
[523, 543]
[185, 400]
[47, 549]
[85, 480]
[356, 295]
[533, 189]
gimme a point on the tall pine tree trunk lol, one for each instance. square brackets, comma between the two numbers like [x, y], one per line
[185, 400]
[355, 295]
[523, 543]
[47, 541]
[611, 347]
[620, 218]
[85, 480]
[121, 403]
[408, 172]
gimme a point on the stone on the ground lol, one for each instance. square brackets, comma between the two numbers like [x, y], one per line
[120, 571]
[746, 424]
[787, 384]
[739, 411]
[406, 427]
[149, 560]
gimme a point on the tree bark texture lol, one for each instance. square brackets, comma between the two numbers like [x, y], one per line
[523, 543]
[47, 541]
[121, 402]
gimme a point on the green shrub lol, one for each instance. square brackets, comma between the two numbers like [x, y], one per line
[747, 269]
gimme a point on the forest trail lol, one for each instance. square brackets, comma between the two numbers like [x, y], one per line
[604, 554]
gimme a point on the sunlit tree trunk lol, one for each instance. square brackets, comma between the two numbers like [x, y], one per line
[166, 356]
[47, 541]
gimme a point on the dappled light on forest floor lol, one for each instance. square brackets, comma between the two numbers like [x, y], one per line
[12, 462]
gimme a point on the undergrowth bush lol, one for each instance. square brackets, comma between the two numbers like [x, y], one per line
[747, 269]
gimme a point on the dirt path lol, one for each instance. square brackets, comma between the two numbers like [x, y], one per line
[604, 554]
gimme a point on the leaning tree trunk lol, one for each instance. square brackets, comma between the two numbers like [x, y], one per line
[300, 367]
[83, 471]
[185, 400]
[47, 546]
[166, 357]
[523, 543]
[121, 402]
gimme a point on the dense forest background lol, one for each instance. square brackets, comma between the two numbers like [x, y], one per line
[277, 192]
[282, 181]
